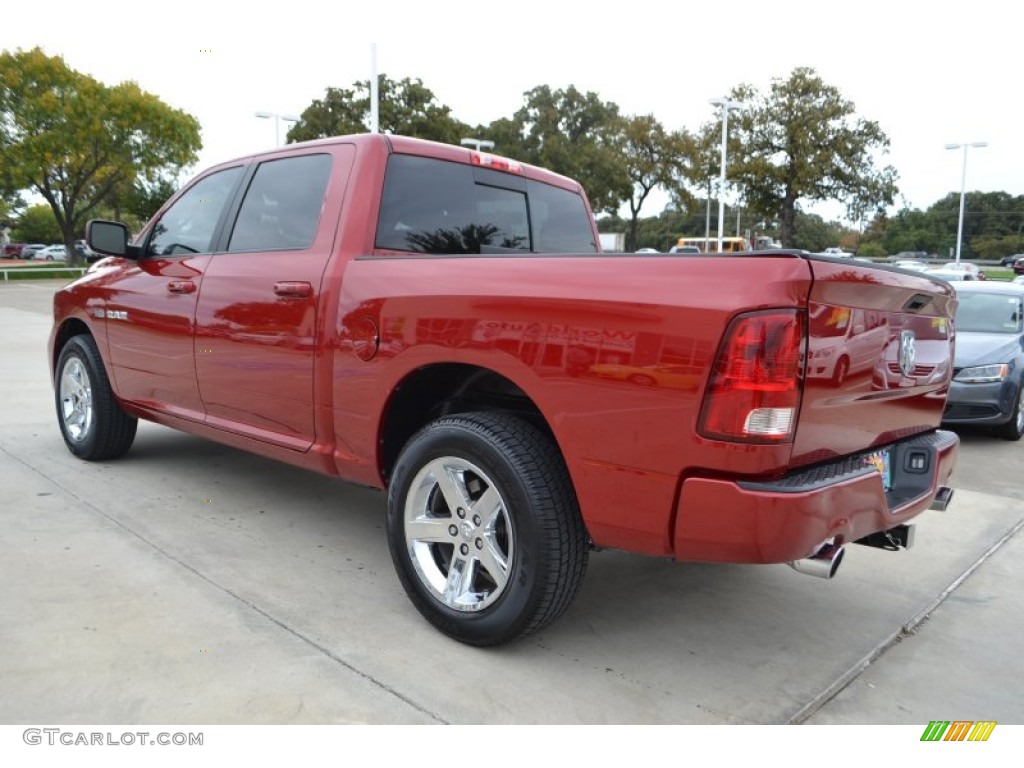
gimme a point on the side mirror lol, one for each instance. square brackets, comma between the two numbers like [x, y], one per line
[109, 238]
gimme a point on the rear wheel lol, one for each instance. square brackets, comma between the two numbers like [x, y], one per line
[1014, 428]
[91, 420]
[484, 528]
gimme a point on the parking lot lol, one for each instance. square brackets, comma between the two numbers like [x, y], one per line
[193, 583]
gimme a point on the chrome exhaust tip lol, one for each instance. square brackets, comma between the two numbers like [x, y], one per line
[942, 499]
[823, 564]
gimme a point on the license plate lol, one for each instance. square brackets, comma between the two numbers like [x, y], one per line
[880, 461]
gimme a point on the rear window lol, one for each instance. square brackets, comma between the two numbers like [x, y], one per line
[435, 206]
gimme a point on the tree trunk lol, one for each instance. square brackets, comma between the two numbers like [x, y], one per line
[788, 212]
[634, 226]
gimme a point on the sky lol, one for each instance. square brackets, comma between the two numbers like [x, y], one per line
[929, 74]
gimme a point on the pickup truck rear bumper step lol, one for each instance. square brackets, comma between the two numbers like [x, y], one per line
[789, 519]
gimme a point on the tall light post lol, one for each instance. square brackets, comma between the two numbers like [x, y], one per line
[963, 190]
[277, 123]
[726, 105]
[478, 144]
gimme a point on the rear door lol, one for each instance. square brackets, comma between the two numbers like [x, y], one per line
[258, 318]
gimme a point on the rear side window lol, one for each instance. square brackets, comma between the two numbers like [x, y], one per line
[434, 206]
[282, 206]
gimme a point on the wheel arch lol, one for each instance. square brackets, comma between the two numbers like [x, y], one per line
[442, 389]
[72, 326]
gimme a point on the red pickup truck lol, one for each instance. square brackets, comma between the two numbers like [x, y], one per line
[441, 323]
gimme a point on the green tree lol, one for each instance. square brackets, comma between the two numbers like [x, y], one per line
[72, 140]
[37, 225]
[700, 169]
[801, 142]
[813, 233]
[136, 203]
[652, 158]
[407, 108]
[577, 135]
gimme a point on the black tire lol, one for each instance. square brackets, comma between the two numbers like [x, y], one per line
[519, 518]
[841, 371]
[91, 420]
[1014, 428]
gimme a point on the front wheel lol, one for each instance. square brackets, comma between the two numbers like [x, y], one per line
[484, 527]
[1014, 428]
[91, 420]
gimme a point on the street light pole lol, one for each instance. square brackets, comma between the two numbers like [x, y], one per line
[726, 105]
[963, 190]
[277, 123]
[478, 144]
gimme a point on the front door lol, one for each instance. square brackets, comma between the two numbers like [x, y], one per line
[150, 309]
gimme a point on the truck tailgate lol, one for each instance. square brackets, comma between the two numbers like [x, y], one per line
[878, 361]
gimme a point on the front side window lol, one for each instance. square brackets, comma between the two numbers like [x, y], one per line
[188, 226]
[282, 206]
[434, 206]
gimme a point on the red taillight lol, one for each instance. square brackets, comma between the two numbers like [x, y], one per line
[496, 163]
[753, 393]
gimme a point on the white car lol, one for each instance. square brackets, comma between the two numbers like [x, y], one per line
[950, 275]
[964, 266]
[1018, 280]
[916, 266]
[51, 253]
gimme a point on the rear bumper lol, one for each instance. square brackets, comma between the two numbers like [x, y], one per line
[788, 519]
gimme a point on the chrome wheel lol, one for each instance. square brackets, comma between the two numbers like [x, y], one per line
[76, 400]
[484, 527]
[459, 534]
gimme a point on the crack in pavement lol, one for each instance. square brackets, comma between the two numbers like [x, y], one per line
[249, 604]
[906, 630]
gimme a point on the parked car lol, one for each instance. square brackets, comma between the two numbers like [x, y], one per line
[964, 266]
[1018, 267]
[1007, 261]
[950, 275]
[843, 341]
[910, 255]
[684, 249]
[648, 250]
[52, 253]
[29, 251]
[911, 264]
[13, 250]
[988, 366]
[87, 253]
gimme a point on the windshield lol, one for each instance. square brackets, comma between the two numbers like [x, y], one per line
[989, 312]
